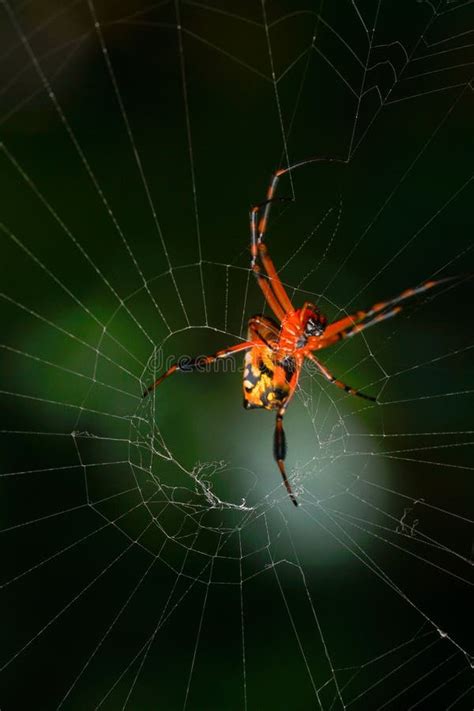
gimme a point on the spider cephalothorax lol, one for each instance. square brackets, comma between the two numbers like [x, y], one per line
[276, 350]
[315, 324]
[302, 325]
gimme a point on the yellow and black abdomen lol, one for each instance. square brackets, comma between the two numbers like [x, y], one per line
[267, 381]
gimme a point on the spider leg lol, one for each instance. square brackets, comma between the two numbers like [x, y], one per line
[329, 376]
[271, 288]
[364, 318]
[259, 249]
[197, 363]
[276, 297]
[278, 288]
[279, 439]
[262, 227]
[263, 331]
[267, 205]
[279, 451]
[354, 329]
[268, 293]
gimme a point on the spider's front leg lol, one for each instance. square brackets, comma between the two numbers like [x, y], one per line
[357, 322]
[273, 289]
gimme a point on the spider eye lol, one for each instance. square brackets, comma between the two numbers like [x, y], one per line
[315, 326]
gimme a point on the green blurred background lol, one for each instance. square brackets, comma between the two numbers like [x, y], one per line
[131, 153]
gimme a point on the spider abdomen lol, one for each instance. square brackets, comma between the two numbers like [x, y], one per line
[266, 379]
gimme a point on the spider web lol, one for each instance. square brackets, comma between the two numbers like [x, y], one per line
[151, 556]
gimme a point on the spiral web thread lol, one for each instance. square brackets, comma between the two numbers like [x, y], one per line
[200, 536]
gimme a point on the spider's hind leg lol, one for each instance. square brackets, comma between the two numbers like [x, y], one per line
[279, 451]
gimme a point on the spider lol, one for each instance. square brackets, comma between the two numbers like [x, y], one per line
[277, 348]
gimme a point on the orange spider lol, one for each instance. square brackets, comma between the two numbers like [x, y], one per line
[277, 349]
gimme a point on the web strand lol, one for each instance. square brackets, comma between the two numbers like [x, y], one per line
[157, 529]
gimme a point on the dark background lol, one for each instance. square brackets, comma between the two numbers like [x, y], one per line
[131, 153]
